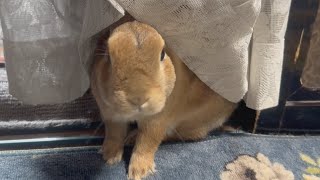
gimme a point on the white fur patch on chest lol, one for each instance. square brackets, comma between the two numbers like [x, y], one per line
[171, 130]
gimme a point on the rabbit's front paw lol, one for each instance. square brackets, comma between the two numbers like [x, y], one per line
[112, 152]
[140, 167]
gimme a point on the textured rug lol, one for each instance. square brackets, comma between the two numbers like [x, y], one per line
[228, 156]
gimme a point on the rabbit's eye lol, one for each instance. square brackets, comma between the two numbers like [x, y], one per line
[162, 55]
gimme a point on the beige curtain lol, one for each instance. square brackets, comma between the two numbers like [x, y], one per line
[47, 39]
[311, 72]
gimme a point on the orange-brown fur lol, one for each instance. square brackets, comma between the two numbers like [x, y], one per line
[179, 106]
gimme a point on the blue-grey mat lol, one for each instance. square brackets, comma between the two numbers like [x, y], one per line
[226, 156]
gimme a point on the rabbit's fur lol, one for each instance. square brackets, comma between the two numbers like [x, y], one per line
[164, 97]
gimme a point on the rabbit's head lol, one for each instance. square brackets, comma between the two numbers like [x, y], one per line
[140, 75]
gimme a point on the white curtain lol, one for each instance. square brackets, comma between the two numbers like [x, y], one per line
[48, 43]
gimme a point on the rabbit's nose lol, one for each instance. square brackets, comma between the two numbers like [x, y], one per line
[140, 102]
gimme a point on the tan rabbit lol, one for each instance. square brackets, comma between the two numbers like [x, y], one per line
[143, 80]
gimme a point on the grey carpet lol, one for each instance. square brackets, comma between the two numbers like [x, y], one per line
[199, 160]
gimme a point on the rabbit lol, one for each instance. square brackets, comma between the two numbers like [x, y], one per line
[142, 80]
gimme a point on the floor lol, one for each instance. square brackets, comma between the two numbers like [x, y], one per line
[225, 156]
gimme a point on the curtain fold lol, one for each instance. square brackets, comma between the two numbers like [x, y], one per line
[267, 54]
[311, 72]
[40, 43]
[48, 50]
